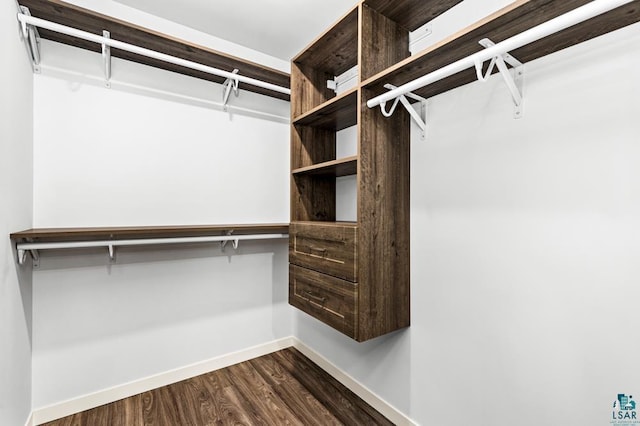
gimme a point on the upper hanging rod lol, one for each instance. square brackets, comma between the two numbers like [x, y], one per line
[576, 16]
[52, 26]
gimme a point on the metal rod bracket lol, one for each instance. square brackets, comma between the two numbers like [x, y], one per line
[230, 84]
[224, 242]
[35, 257]
[112, 253]
[106, 58]
[515, 82]
[419, 118]
[31, 39]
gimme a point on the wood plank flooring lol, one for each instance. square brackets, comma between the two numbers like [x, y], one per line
[282, 388]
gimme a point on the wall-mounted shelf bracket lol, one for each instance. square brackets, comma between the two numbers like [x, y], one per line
[31, 39]
[229, 85]
[106, 58]
[112, 253]
[419, 118]
[515, 83]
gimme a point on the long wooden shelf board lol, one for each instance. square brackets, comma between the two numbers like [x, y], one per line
[337, 113]
[509, 21]
[411, 14]
[84, 19]
[335, 50]
[132, 232]
[321, 223]
[343, 167]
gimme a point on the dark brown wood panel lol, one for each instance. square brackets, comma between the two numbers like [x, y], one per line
[131, 232]
[329, 248]
[308, 89]
[336, 114]
[383, 220]
[383, 44]
[87, 20]
[313, 198]
[509, 21]
[336, 50]
[327, 298]
[336, 168]
[284, 387]
[411, 14]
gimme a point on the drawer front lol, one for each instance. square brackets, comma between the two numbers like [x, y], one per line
[329, 299]
[330, 249]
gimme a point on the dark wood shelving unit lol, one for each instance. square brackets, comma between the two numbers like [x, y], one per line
[84, 19]
[143, 232]
[505, 23]
[355, 276]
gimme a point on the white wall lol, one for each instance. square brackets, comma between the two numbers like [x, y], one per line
[132, 156]
[16, 144]
[120, 10]
[525, 240]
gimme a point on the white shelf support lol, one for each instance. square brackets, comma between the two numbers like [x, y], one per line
[31, 21]
[230, 84]
[33, 247]
[515, 83]
[419, 118]
[576, 16]
[345, 79]
[106, 58]
[31, 39]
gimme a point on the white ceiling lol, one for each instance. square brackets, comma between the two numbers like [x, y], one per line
[280, 28]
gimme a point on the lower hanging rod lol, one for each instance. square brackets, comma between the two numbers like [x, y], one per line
[576, 16]
[73, 32]
[22, 248]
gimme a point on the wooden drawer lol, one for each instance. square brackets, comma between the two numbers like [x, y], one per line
[329, 299]
[327, 248]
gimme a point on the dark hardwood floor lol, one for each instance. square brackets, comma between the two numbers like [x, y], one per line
[282, 388]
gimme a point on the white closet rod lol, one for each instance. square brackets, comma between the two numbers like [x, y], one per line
[23, 248]
[52, 26]
[576, 16]
[146, 241]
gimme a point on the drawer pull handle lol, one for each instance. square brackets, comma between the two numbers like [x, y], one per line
[321, 250]
[314, 297]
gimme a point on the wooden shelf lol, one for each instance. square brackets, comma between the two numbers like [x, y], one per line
[140, 232]
[507, 22]
[337, 113]
[411, 14]
[336, 168]
[87, 20]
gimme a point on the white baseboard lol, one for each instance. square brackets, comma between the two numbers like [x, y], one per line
[86, 402]
[29, 421]
[386, 409]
